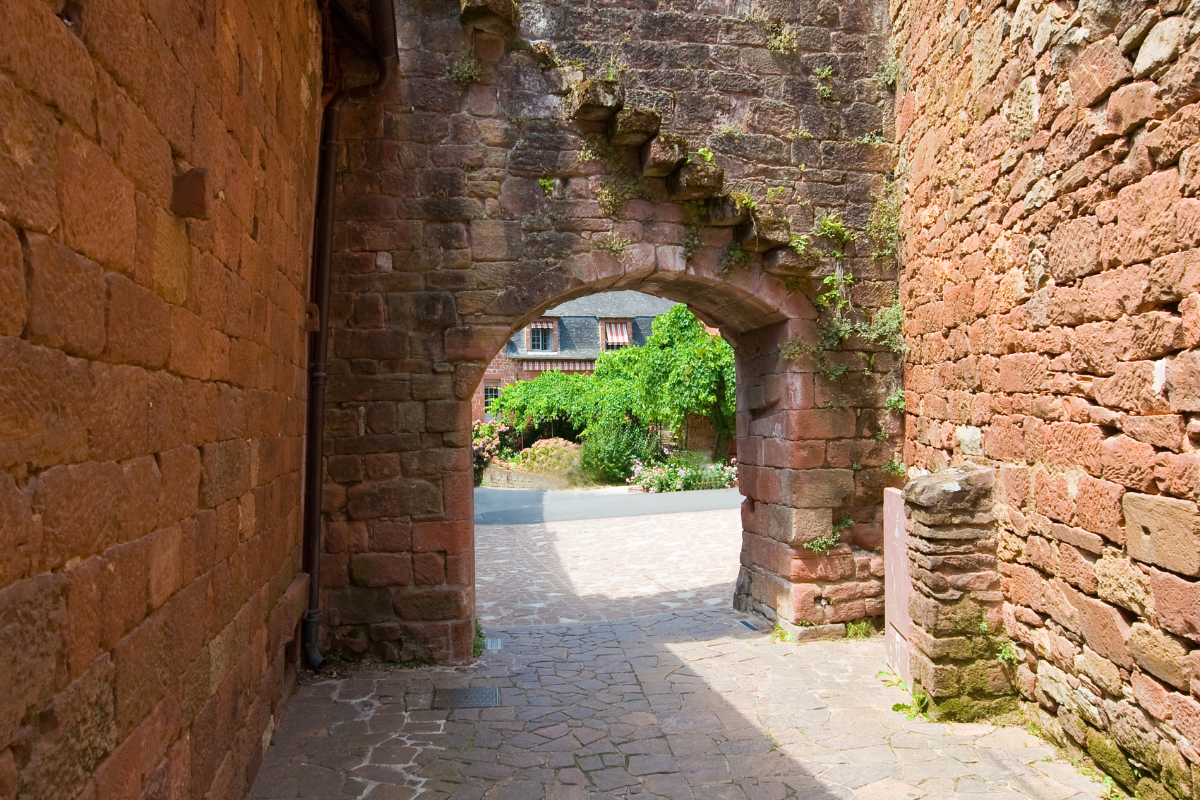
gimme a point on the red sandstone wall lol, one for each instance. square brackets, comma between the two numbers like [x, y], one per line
[1053, 293]
[151, 374]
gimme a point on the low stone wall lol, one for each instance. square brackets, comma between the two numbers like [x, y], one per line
[957, 632]
[498, 477]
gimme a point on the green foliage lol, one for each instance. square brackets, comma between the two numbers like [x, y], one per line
[895, 401]
[833, 228]
[743, 201]
[478, 643]
[706, 154]
[735, 258]
[775, 193]
[681, 474]
[547, 185]
[549, 457]
[886, 327]
[896, 467]
[621, 184]
[824, 76]
[796, 132]
[799, 244]
[781, 38]
[615, 244]
[1008, 654]
[730, 129]
[781, 635]
[883, 227]
[612, 447]
[918, 708]
[889, 71]
[681, 370]
[863, 629]
[467, 68]
[822, 545]
[874, 138]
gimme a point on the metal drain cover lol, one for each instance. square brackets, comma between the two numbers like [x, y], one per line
[492, 644]
[750, 626]
[469, 697]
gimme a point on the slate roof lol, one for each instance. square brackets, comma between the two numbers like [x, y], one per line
[579, 324]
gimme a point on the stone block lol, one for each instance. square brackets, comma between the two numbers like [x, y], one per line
[695, 181]
[1163, 531]
[818, 488]
[1183, 381]
[495, 240]
[66, 298]
[189, 193]
[1099, 69]
[799, 525]
[965, 487]
[768, 229]
[498, 17]
[663, 154]
[12, 282]
[138, 324]
[1160, 654]
[723, 211]
[633, 127]
[595, 99]
[381, 569]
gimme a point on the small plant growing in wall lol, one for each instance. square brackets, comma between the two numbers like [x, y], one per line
[781, 38]
[547, 185]
[796, 132]
[622, 183]
[693, 215]
[883, 227]
[706, 154]
[863, 629]
[1008, 654]
[615, 244]
[467, 68]
[895, 467]
[895, 401]
[833, 228]
[824, 76]
[874, 138]
[823, 545]
[889, 71]
[735, 258]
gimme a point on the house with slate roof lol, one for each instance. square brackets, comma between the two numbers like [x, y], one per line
[568, 338]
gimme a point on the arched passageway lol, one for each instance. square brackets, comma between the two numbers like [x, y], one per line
[575, 164]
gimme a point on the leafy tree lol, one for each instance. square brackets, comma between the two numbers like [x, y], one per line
[682, 370]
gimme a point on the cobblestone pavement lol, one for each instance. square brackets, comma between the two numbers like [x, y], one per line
[683, 705]
[606, 569]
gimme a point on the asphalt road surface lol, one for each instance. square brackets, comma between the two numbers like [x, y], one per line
[526, 506]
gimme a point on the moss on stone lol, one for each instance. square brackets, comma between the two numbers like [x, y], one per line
[964, 708]
[1149, 789]
[1110, 758]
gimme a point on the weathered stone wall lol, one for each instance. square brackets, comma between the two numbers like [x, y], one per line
[151, 374]
[1052, 288]
[467, 210]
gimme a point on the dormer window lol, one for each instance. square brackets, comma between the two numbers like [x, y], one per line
[617, 333]
[541, 336]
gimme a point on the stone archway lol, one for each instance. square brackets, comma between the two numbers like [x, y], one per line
[465, 212]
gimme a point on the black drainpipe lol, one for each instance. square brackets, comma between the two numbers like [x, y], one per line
[383, 34]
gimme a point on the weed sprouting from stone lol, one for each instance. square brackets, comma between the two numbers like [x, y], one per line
[478, 643]
[873, 138]
[615, 244]
[895, 467]
[862, 629]
[895, 401]
[735, 258]
[781, 38]
[693, 214]
[883, 227]
[467, 68]
[824, 76]
[822, 545]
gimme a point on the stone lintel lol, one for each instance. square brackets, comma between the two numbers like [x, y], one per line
[633, 127]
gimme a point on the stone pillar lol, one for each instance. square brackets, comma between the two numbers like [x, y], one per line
[957, 631]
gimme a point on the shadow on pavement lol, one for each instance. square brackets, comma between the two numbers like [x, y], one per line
[528, 506]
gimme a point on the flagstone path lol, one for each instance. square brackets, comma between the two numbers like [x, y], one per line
[685, 704]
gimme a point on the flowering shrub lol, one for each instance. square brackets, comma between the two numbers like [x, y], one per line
[548, 457]
[676, 475]
[491, 441]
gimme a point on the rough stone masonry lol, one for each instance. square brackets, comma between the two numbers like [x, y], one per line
[518, 164]
[156, 202]
[1051, 287]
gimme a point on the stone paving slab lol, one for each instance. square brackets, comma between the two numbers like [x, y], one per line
[606, 569]
[681, 705]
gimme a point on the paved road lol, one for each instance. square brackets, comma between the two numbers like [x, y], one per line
[528, 506]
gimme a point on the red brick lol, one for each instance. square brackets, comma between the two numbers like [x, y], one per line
[99, 215]
[66, 298]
